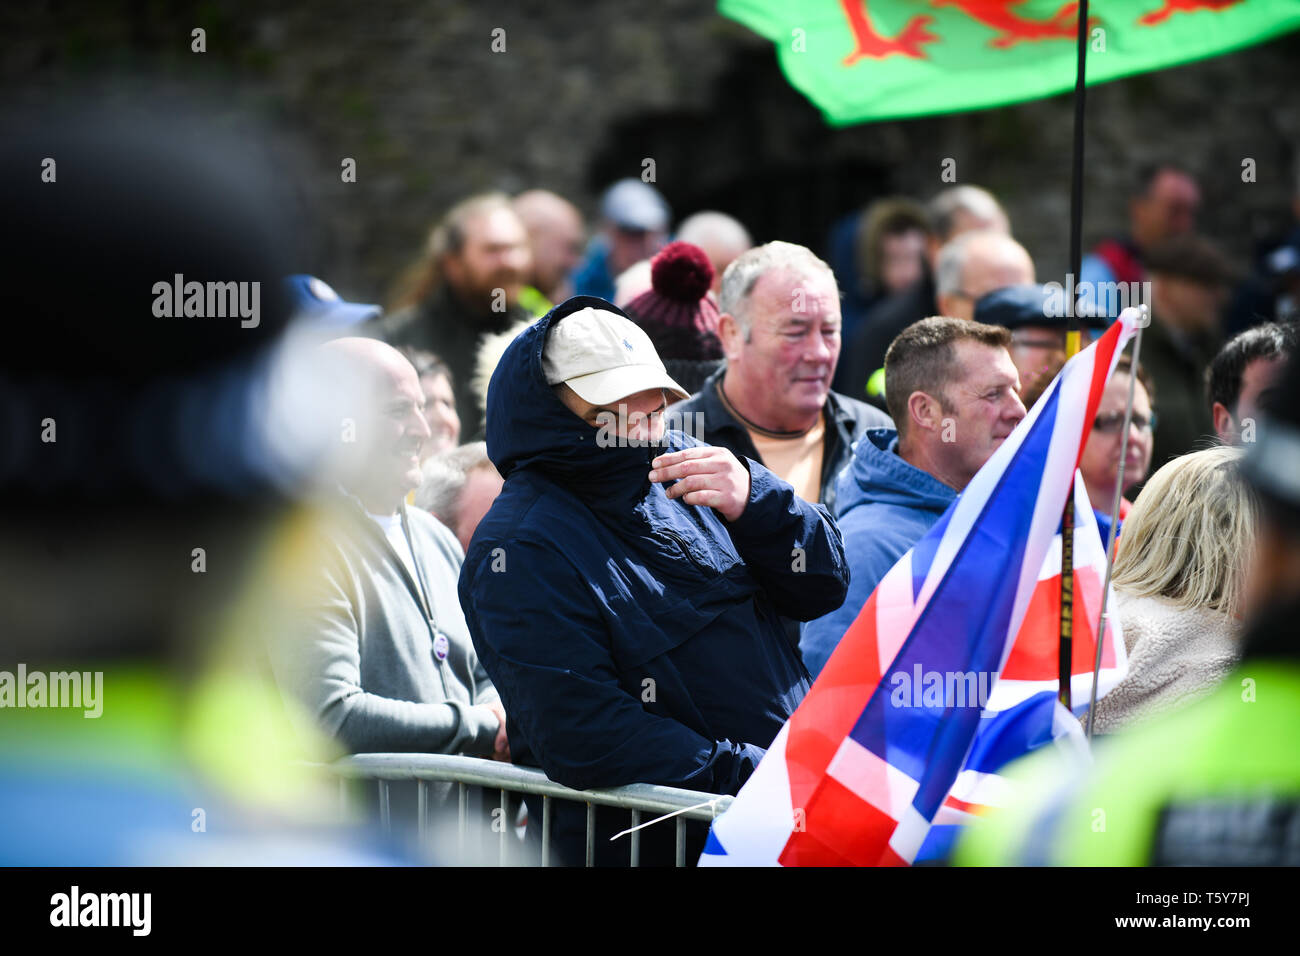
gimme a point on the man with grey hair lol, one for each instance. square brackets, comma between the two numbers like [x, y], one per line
[458, 487]
[772, 401]
[722, 238]
[964, 208]
[952, 212]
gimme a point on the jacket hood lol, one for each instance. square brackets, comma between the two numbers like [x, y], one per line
[877, 475]
[528, 427]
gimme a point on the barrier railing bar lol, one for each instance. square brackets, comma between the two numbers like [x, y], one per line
[505, 823]
[421, 808]
[462, 801]
[506, 778]
[546, 831]
[591, 834]
[492, 774]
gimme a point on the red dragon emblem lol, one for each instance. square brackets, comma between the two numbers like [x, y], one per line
[1012, 28]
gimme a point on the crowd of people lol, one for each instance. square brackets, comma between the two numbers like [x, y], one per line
[605, 506]
[692, 461]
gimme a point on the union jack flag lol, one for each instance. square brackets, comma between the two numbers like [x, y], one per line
[950, 670]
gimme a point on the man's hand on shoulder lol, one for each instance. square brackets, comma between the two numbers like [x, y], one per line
[709, 475]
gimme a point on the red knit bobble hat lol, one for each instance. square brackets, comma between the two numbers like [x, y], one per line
[679, 313]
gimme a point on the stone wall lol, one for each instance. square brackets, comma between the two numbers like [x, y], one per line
[584, 92]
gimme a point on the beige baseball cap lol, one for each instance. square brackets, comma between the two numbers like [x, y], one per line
[604, 357]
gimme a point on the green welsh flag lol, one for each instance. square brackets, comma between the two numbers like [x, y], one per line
[863, 60]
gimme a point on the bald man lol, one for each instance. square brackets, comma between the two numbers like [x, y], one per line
[722, 238]
[557, 236]
[383, 660]
[975, 264]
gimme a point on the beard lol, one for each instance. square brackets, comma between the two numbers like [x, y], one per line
[479, 293]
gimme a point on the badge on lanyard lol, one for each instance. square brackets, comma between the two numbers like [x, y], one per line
[441, 645]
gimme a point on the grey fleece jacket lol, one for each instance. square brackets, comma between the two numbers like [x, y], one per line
[1175, 656]
[363, 662]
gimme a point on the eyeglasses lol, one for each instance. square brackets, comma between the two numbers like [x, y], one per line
[1111, 422]
[1026, 342]
[1054, 343]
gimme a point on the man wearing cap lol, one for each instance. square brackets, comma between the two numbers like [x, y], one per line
[1037, 332]
[635, 224]
[314, 302]
[625, 588]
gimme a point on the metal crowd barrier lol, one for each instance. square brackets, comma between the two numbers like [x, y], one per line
[507, 778]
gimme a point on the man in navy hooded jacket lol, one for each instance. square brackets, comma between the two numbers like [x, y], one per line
[625, 590]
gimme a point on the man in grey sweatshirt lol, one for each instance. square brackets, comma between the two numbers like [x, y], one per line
[383, 660]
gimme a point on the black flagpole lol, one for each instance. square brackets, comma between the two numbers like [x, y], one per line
[1071, 349]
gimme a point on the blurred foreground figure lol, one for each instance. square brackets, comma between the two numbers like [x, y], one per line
[624, 588]
[149, 461]
[1215, 784]
[377, 653]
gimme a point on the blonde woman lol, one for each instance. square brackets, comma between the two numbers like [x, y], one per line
[1178, 585]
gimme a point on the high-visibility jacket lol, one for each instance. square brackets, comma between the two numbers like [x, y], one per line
[1215, 784]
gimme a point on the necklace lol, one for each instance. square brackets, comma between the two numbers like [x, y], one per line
[765, 432]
